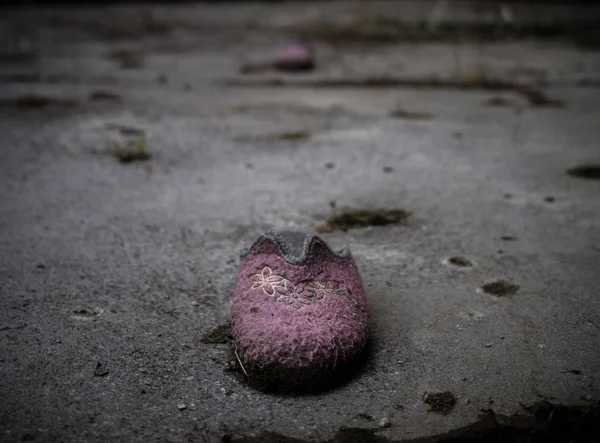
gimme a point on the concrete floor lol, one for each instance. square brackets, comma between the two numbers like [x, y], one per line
[111, 272]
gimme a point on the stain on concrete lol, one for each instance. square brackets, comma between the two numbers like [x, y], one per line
[409, 115]
[105, 96]
[18, 56]
[37, 78]
[126, 59]
[87, 313]
[588, 172]
[498, 102]
[33, 101]
[538, 99]
[480, 82]
[256, 67]
[473, 82]
[287, 136]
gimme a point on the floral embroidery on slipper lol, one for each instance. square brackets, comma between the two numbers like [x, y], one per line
[267, 281]
[302, 294]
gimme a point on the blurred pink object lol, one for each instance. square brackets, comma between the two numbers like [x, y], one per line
[295, 56]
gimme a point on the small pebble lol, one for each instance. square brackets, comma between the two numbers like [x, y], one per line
[384, 423]
[489, 345]
[181, 406]
[195, 303]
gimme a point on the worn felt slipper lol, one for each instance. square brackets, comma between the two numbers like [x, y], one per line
[294, 57]
[300, 315]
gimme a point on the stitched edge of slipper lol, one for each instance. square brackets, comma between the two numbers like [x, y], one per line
[307, 250]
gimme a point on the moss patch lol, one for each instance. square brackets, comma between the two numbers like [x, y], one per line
[131, 151]
[460, 262]
[500, 288]
[362, 218]
[441, 402]
[292, 135]
[87, 313]
[218, 334]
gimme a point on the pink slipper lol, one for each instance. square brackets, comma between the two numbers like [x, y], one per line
[295, 56]
[299, 312]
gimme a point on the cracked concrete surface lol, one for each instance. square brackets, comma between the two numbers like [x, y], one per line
[111, 272]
